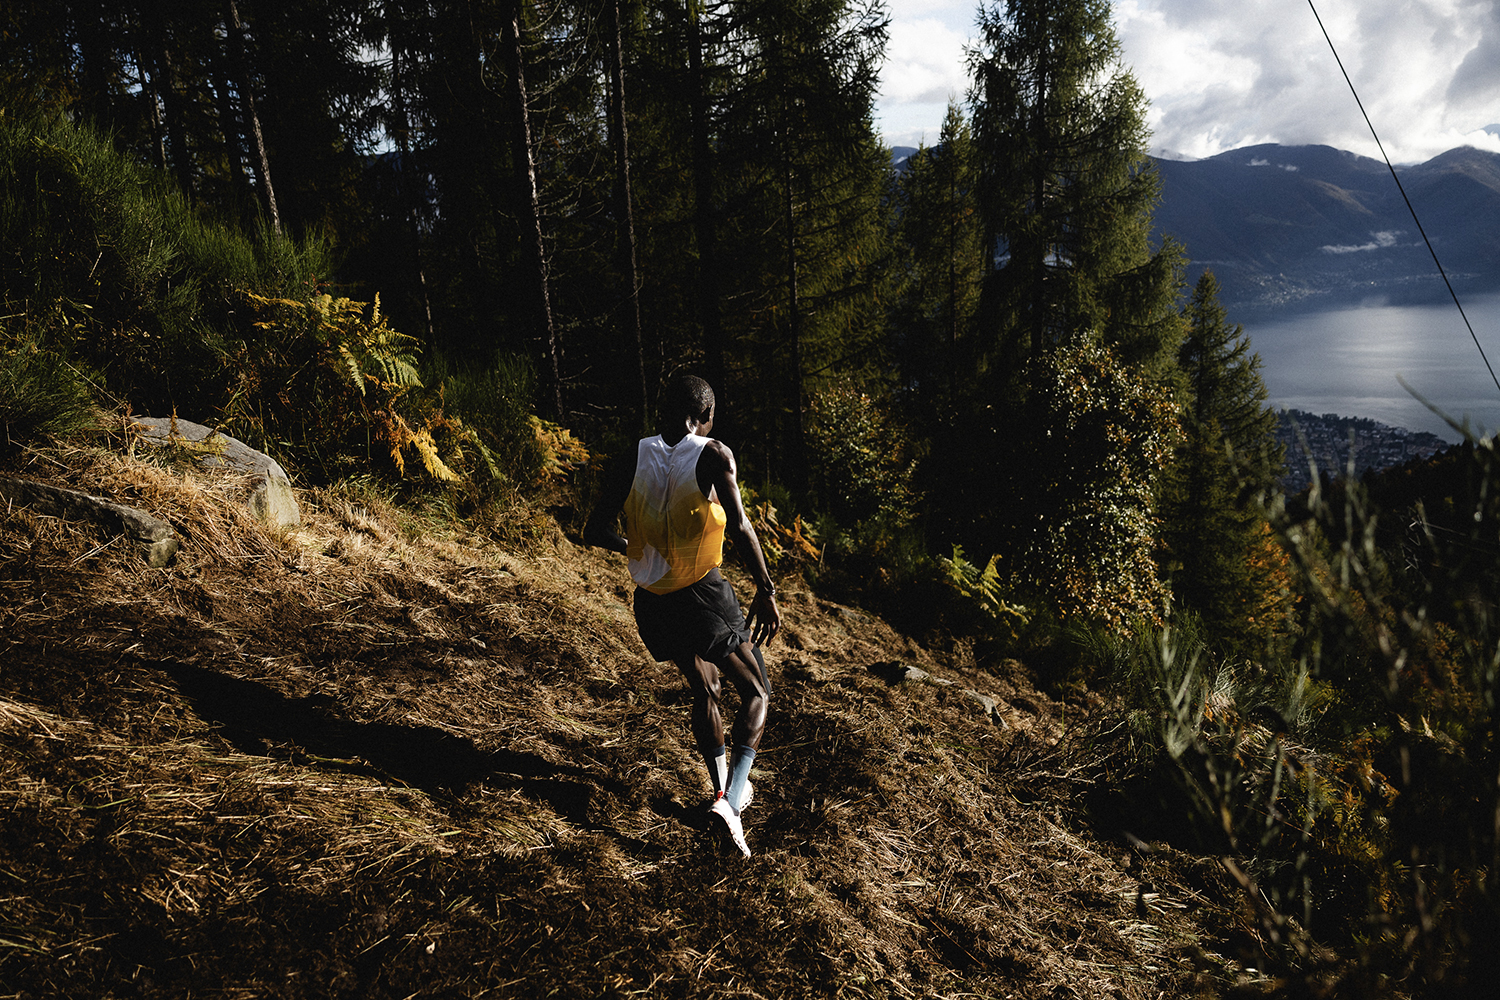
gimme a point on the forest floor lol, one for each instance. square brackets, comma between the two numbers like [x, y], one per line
[378, 756]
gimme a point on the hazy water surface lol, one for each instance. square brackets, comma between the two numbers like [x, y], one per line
[1346, 361]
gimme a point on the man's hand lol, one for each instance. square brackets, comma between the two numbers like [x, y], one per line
[764, 618]
[605, 537]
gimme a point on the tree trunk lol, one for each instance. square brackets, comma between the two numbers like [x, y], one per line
[149, 83]
[97, 64]
[620, 138]
[535, 248]
[703, 211]
[950, 158]
[174, 120]
[405, 173]
[797, 460]
[232, 130]
[242, 82]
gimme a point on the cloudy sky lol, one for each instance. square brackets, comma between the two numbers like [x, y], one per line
[1227, 73]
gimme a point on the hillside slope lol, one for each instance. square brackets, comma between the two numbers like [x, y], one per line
[372, 758]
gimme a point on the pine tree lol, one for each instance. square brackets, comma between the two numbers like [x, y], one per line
[235, 30]
[536, 271]
[941, 258]
[1064, 440]
[624, 211]
[1066, 186]
[801, 236]
[1226, 465]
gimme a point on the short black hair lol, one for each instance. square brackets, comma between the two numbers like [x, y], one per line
[687, 396]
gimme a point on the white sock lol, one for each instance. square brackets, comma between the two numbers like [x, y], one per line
[718, 768]
[743, 758]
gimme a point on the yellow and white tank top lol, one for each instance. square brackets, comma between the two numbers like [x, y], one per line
[676, 535]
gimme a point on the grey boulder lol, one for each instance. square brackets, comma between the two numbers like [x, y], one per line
[154, 537]
[271, 497]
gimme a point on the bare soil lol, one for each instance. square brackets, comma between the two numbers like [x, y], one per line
[381, 756]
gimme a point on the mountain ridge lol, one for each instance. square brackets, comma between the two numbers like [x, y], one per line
[1292, 228]
[1298, 228]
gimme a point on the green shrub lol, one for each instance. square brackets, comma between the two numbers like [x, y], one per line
[865, 455]
[496, 399]
[41, 394]
[986, 590]
[146, 287]
[1349, 787]
[340, 390]
[326, 378]
[1100, 438]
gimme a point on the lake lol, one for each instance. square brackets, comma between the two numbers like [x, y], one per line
[1347, 361]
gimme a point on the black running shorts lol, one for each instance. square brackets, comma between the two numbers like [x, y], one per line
[703, 619]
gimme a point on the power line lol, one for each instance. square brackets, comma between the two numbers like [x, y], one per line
[1402, 189]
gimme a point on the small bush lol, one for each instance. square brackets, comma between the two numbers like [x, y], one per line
[145, 286]
[1348, 786]
[986, 590]
[865, 456]
[496, 399]
[41, 393]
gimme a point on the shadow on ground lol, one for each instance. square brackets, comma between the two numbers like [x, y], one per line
[258, 720]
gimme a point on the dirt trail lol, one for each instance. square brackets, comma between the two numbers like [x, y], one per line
[373, 758]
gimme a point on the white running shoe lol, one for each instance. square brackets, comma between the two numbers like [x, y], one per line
[731, 817]
[748, 796]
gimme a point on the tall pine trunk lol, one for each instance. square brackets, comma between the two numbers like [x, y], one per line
[703, 210]
[620, 138]
[406, 174]
[535, 248]
[950, 157]
[797, 457]
[97, 64]
[231, 130]
[247, 95]
[149, 82]
[174, 118]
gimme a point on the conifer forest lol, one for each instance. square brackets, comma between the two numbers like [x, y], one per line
[451, 252]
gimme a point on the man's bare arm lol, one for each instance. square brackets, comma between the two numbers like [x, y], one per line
[602, 527]
[717, 466]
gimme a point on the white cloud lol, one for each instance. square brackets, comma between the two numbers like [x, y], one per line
[960, 12]
[1226, 73]
[1222, 74]
[924, 63]
[1381, 241]
[924, 69]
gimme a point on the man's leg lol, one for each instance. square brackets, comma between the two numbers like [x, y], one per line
[747, 671]
[708, 720]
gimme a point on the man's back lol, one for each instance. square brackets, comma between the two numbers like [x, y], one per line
[676, 533]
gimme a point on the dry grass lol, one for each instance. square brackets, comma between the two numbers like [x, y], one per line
[378, 757]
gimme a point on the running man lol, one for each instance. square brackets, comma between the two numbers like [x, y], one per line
[680, 498]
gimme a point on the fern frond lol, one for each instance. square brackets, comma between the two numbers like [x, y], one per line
[351, 368]
[426, 447]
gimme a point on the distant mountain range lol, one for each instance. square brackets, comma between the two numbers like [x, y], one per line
[1295, 228]
[1308, 227]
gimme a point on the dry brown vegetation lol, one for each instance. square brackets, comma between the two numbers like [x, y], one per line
[381, 756]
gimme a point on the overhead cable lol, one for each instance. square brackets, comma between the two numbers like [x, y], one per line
[1404, 198]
